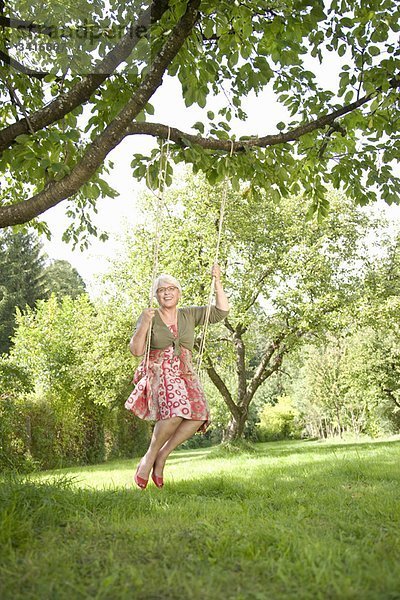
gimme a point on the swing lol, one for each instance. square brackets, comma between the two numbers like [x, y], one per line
[157, 237]
[162, 174]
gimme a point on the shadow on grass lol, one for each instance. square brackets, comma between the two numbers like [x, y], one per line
[267, 450]
[287, 448]
[232, 480]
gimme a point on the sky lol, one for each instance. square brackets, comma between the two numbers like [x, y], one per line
[115, 215]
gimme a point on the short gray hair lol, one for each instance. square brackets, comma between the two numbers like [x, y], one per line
[166, 279]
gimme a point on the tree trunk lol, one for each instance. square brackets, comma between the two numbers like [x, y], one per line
[235, 428]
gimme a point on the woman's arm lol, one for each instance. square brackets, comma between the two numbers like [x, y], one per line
[221, 301]
[137, 345]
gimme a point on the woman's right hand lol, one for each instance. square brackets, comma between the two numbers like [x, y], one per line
[148, 315]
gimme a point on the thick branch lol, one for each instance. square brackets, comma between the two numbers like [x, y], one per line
[260, 281]
[240, 328]
[82, 91]
[110, 137]
[391, 395]
[276, 363]
[14, 64]
[182, 138]
[240, 364]
[259, 376]
[221, 387]
[228, 325]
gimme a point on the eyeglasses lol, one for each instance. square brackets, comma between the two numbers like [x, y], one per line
[169, 289]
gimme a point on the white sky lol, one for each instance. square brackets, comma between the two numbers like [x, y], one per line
[114, 214]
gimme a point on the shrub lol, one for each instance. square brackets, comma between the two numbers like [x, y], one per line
[278, 422]
[125, 435]
[14, 428]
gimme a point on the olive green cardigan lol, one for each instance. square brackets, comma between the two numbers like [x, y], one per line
[188, 318]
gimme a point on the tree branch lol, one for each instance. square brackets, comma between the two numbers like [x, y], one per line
[182, 138]
[56, 191]
[240, 328]
[82, 91]
[260, 281]
[14, 64]
[22, 25]
[240, 364]
[391, 395]
[228, 325]
[17, 102]
[259, 376]
[277, 361]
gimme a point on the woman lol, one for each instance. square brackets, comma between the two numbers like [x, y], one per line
[168, 390]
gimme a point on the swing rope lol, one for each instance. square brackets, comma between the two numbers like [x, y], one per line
[157, 239]
[212, 287]
[162, 175]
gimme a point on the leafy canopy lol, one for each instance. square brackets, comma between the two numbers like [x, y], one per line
[77, 78]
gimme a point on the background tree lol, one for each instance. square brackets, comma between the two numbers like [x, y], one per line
[347, 380]
[69, 99]
[22, 280]
[25, 278]
[286, 278]
[62, 279]
[79, 371]
[14, 433]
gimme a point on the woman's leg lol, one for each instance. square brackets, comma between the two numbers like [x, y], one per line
[185, 431]
[163, 431]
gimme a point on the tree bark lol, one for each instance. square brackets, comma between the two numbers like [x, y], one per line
[270, 362]
[178, 136]
[82, 91]
[235, 428]
[56, 191]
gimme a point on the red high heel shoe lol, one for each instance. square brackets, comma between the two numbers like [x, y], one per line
[140, 482]
[158, 481]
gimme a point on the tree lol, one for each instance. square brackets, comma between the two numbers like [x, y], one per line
[90, 81]
[286, 278]
[63, 280]
[25, 278]
[347, 381]
[76, 360]
[344, 385]
[379, 311]
[21, 278]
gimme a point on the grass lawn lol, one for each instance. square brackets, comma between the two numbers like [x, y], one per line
[301, 520]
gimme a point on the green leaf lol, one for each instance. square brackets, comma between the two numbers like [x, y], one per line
[141, 117]
[180, 9]
[149, 108]
[374, 50]
[199, 126]
[346, 22]
[208, 31]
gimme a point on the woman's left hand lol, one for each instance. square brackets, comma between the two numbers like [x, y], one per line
[216, 272]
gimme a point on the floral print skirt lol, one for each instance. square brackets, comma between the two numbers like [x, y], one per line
[169, 387]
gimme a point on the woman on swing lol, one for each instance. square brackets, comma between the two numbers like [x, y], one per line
[167, 389]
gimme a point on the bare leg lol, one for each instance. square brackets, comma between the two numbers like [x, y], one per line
[163, 431]
[185, 431]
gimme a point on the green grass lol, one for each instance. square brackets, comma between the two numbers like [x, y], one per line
[301, 520]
